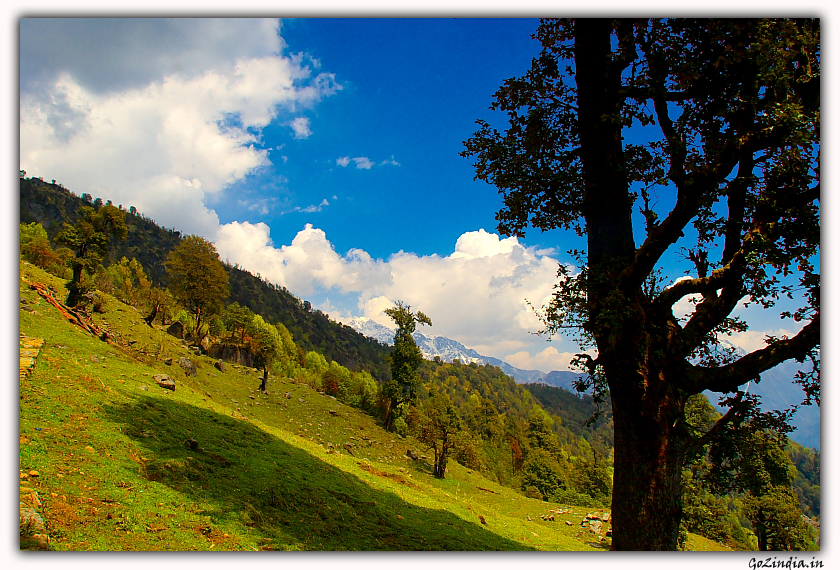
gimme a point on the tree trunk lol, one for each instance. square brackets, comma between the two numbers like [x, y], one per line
[264, 385]
[75, 286]
[650, 447]
[153, 315]
[441, 459]
[440, 468]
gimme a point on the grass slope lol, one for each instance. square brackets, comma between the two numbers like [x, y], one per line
[105, 457]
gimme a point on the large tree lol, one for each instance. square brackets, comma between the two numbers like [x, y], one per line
[198, 279]
[673, 146]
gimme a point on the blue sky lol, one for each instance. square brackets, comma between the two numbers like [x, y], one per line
[320, 153]
[411, 92]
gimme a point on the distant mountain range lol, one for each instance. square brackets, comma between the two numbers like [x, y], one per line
[446, 348]
[776, 388]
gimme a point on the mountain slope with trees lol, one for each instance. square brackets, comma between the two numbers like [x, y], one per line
[52, 205]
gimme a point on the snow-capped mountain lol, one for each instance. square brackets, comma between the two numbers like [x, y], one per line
[446, 348]
[372, 329]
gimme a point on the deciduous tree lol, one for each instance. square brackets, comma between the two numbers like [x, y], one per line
[666, 142]
[35, 248]
[237, 319]
[436, 427]
[269, 343]
[198, 279]
[89, 239]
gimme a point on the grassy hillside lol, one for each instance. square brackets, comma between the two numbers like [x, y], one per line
[113, 461]
[105, 456]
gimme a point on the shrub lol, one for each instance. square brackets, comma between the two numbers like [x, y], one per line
[572, 497]
[533, 493]
[329, 381]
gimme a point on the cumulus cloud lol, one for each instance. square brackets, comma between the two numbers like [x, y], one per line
[343, 161]
[477, 295]
[310, 261]
[161, 138]
[301, 127]
[754, 340]
[110, 55]
[684, 308]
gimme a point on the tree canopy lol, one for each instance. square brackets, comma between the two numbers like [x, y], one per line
[686, 152]
[269, 343]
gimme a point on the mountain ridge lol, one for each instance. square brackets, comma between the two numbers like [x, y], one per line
[776, 389]
[445, 348]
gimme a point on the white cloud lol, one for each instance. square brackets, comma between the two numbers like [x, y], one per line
[754, 340]
[167, 144]
[684, 308]
[301, 127]
[545, 360]
[110, 55]
[477, 295]
[472, 245]
[308, 262]
[309, 209]
[314, 208]
[374, 309]
[364, 162]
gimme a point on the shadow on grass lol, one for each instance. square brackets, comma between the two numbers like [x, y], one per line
[281, 491]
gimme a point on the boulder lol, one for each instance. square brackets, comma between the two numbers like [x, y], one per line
[231, 353]
[190, 367]
[176, 329]
[164, 381]
[220, 366]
